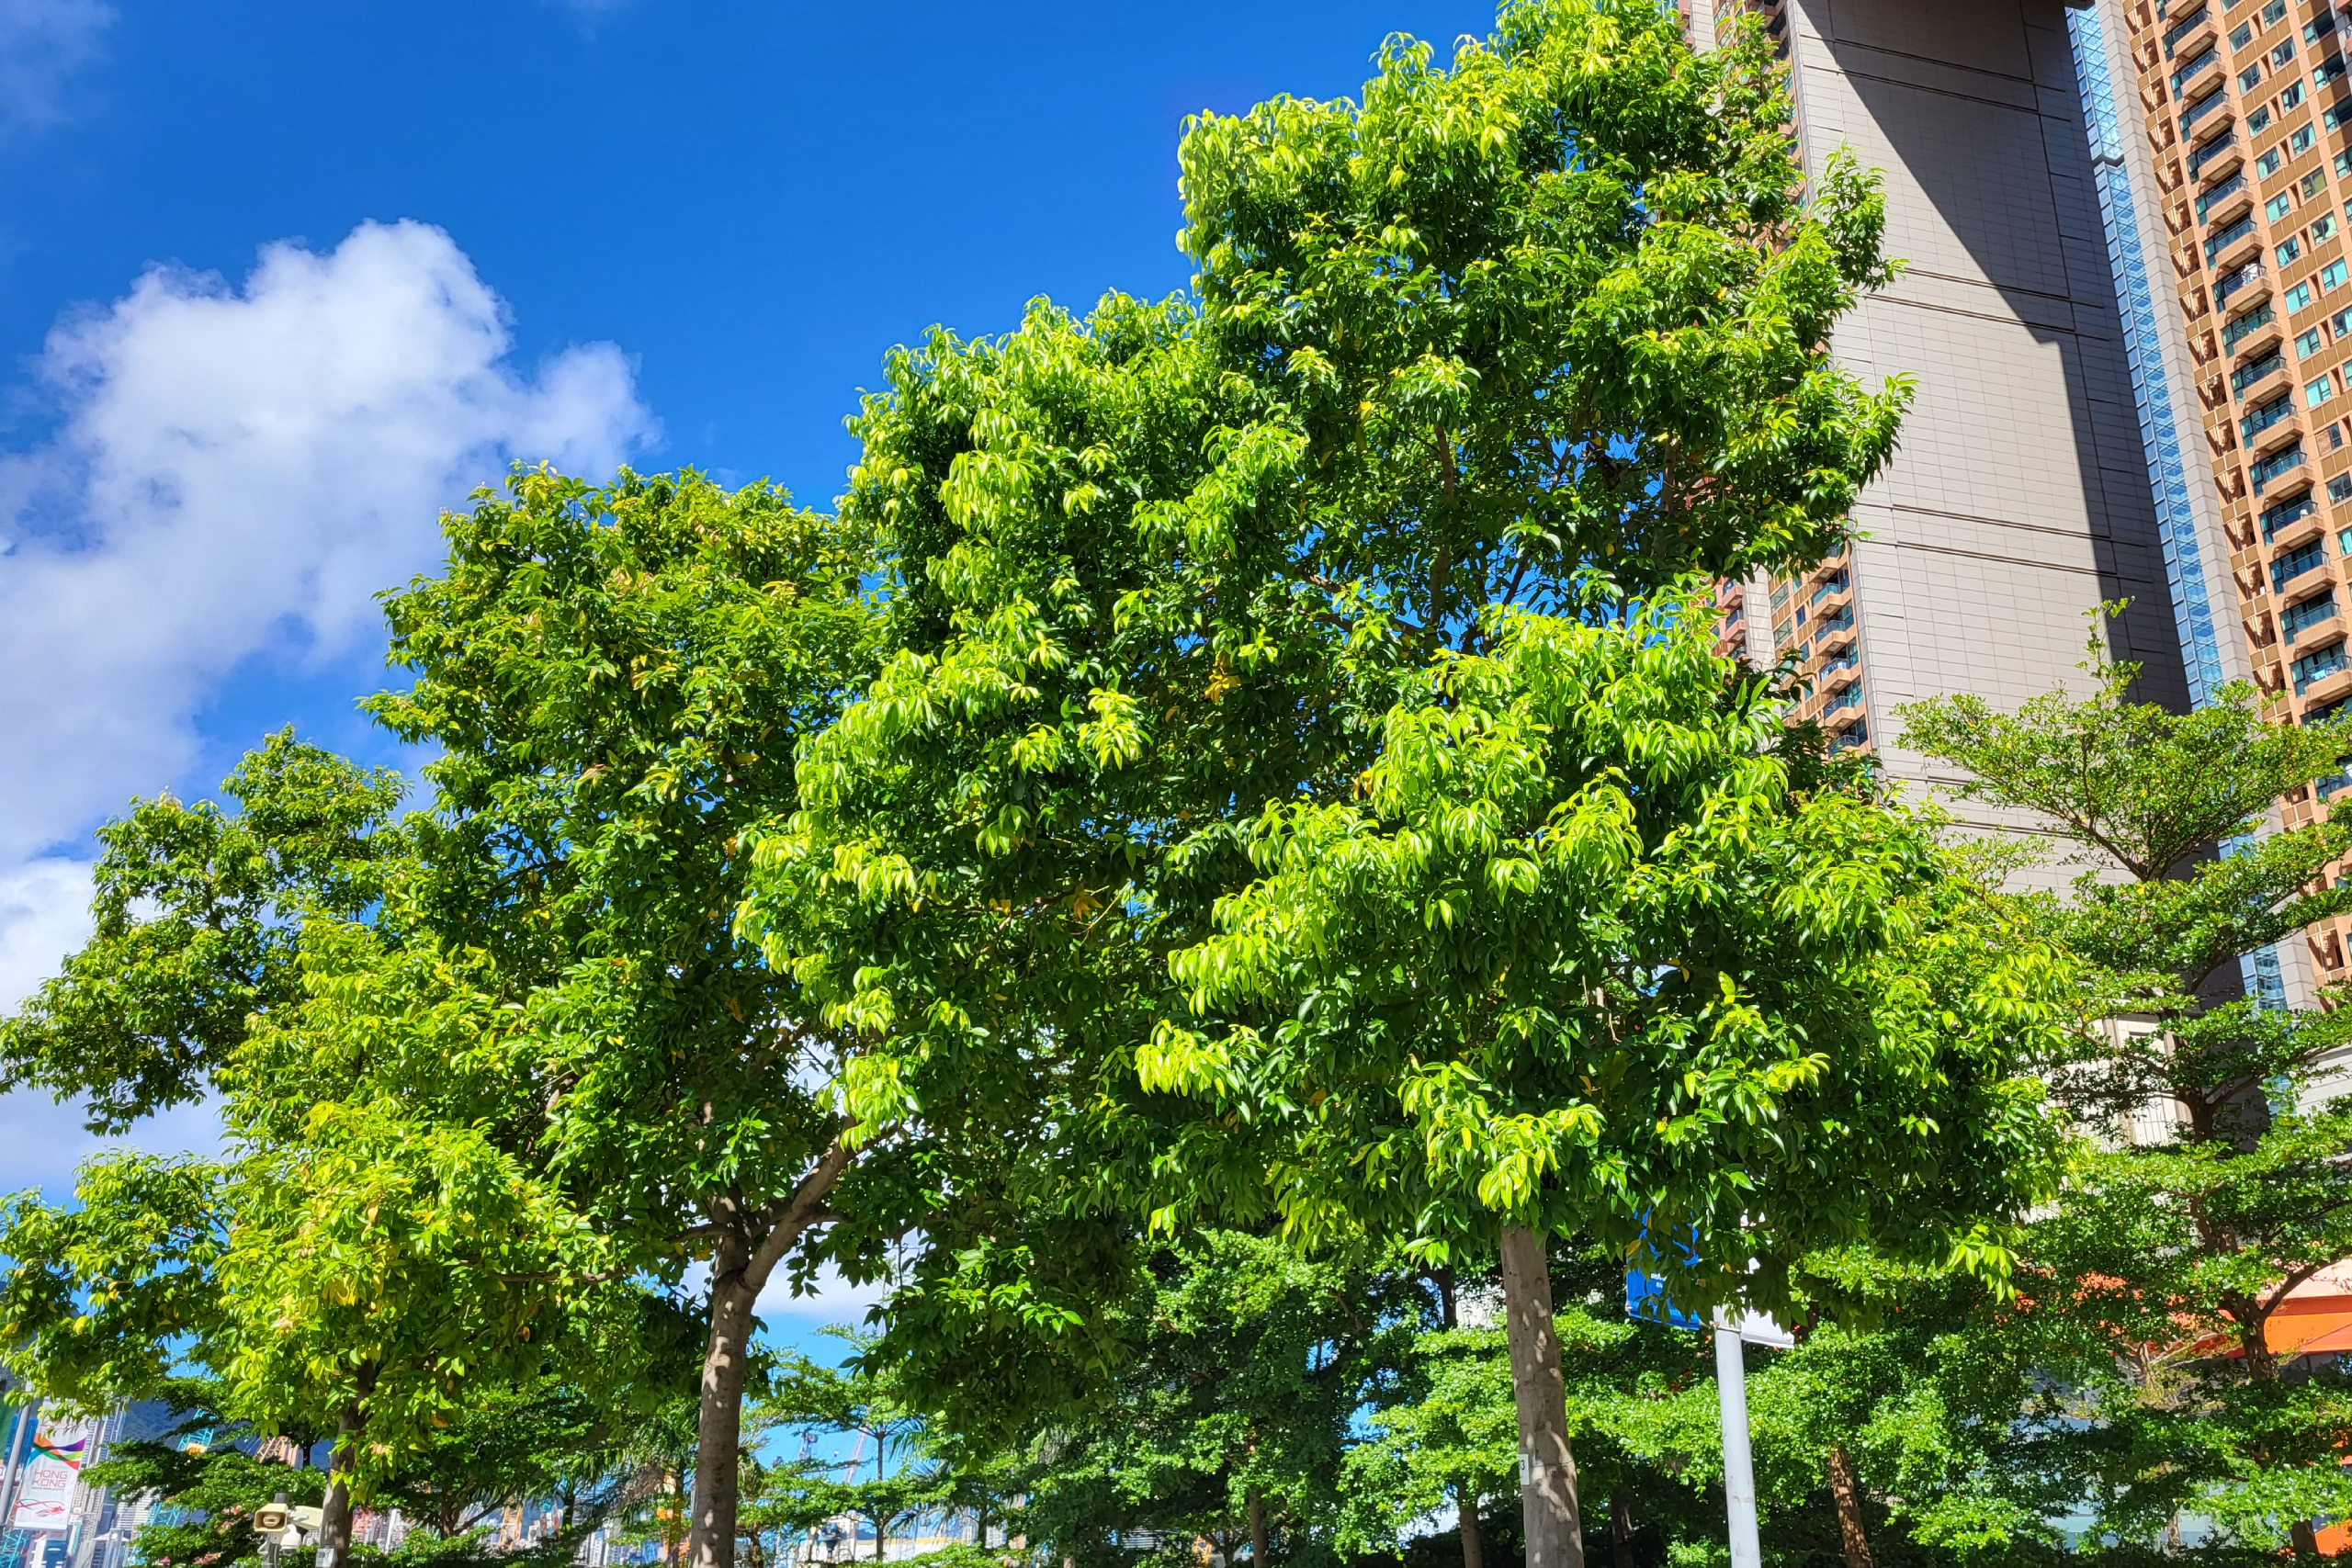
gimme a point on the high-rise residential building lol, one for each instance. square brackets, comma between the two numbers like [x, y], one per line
[2126, 308]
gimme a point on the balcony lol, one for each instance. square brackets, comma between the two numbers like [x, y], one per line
[2267, 414]
[2203, 109]
[2249, 274]
[1834, 583]
[2277, 520]
[2201, 157]
[2298, 618]
[2212, 200]
[2193, 69]
[2312, 668]
[2304, 557]
[2256, 370]
[2229, 237]
[2185, 26]
[2285, 461]
[2240, 328]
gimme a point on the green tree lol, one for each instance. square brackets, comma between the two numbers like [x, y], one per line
[1583, 959]
[2174, 1247]
[484, 1068]
[1557, 310]
[1230, 1423]
[617, 679]
[198, 918]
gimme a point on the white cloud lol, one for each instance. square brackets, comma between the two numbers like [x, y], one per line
[233, 473]
[44, 915]
[832, 1300]
[43, 1141]
[236, 472]
[43, 42]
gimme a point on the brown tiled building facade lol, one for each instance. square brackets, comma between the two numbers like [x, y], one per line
[2128, 307]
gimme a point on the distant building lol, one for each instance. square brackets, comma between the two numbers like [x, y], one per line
[2124, 308]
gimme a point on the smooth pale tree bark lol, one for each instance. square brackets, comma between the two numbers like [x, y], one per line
[1547, 1473]
[745, 1251]
[1852, 1538]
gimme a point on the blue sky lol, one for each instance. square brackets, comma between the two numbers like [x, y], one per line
[279, 280]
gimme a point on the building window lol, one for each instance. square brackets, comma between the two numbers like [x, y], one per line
[2274, 13]
[2288, 100]
[2339, 489]
[2299, 296]
[2278, 206]
[2309, 184]
[2247, 78]
[2286, 514]
[2322, 226]
[2285, 461]
[2241, 36]
[2344, 165]
[2328, 71]
[2291, 250]
[2236, 332]
[2307, 345]
[2308, 556]
[2318, 666]
[2255, 373]
[2283, 54]
[2259, 119]
[2317, 393]
[2343, 542]
[2331, 276]
[2297, 619]
[2323, 23]
[2300, 142]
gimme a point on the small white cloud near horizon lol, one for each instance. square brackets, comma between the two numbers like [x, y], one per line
[42, 44]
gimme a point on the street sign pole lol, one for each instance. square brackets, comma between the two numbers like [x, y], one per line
[1739, 1468]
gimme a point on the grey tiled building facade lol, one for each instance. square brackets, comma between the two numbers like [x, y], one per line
[2075, 438]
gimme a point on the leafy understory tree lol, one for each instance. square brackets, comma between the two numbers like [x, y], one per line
[1587, 958]
[367, 1255]
[2220, 1180]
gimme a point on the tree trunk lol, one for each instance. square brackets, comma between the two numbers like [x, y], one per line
[335, 1518]
[1258, 1547]
[718, 1427]
[2306, 1540]
[1852, 1536]
[749, 1247]
[1547, 1473]
[1473, 1545]
[1621, 1532]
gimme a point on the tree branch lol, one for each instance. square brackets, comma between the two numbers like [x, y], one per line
[804, 1210]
